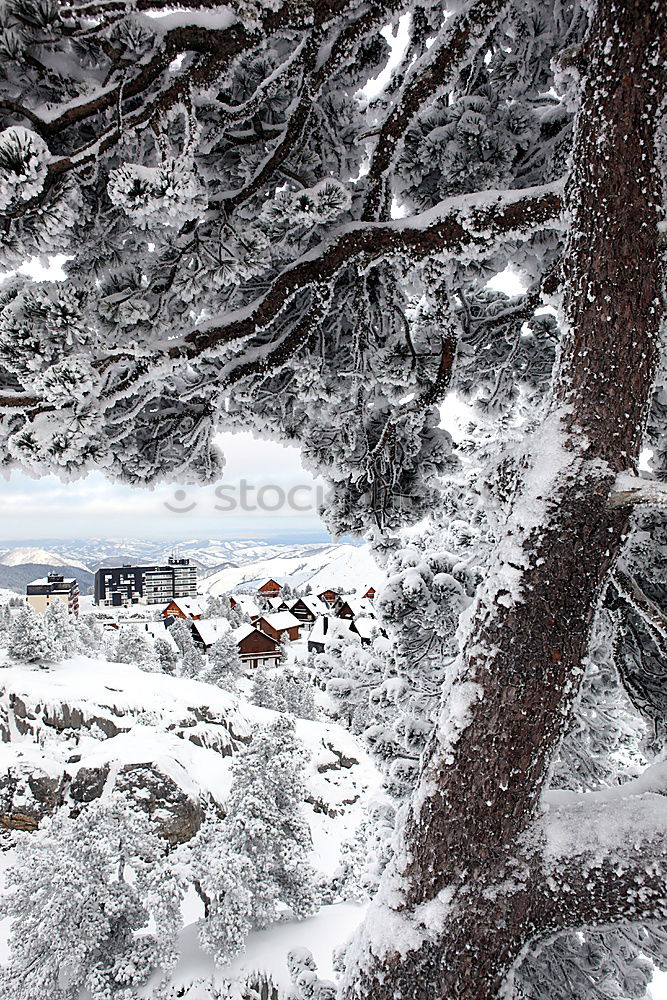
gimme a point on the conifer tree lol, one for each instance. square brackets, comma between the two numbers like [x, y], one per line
[80, 897]
[252, 244]
[224, 661]
[29, 640]
[61, 629]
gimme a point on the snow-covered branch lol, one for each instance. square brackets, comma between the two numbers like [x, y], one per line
[464, 227]
[458, 40]
[631, 491]
[604, 854]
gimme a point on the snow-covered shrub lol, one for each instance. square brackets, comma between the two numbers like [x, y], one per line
[306, 984]
[224, 661]
[80, 897]
[192, 664]
[134, 646]
[24, 161]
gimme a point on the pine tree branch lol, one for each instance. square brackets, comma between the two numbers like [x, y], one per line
[604, 855]
[631, 491]
[459, 226]
[437, 69]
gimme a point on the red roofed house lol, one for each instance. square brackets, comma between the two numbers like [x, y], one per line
[269, 589]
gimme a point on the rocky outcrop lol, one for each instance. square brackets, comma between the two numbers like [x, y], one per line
[177, 815]
[27, 795]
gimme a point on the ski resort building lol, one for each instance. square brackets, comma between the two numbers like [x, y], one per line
[245, 605]
[54, 587]
[121, 586]
[307, 609]
[326, 630]
[355, 607]
[190, 608]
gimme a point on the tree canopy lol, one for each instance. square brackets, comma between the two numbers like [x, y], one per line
[254, 241]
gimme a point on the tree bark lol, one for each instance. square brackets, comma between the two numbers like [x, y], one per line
[459, 902]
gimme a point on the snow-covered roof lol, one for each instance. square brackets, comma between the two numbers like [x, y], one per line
[360, 607]
[243, 631]
[210, 629]
[190, 605]
[281, 620]
[314, 605]
[276, 602]
[247, 604]
[44, 581]
[157, 631]
[366, 627]
[327, 628]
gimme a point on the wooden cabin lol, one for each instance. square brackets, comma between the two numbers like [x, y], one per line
[256, 649]
[185, 607]
[355, 607]
[269, 589]
[327, 629]
[370, 594]
[280, 623]
[245, 605]
[307, 609]
[329, 597]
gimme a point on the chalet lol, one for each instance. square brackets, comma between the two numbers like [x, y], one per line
[327, 629]
[269, 589]
[278, 604]
[307, 609]
[190, 608]
[279, 623]
[206, 632]
[245, 605]
[329, 597]
[365, 628]
[370, 594]
[256, 649]
[355, 607]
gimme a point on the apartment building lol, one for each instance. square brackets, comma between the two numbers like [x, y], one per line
[55, 587]
[120, 586]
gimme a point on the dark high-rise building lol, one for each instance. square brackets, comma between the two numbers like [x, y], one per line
[122, 585]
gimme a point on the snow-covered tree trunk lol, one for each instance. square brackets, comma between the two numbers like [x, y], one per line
[469, 886]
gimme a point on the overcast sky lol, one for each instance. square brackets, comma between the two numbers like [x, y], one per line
[32, 509]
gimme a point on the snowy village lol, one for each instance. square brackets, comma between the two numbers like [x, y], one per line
[159, 700]
[333, 495]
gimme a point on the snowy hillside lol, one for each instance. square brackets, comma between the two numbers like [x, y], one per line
[343, 567]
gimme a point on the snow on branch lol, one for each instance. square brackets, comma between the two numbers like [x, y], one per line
[630, 591]
[630, 491]
[462, 36]
[604, 854]
[463, 226]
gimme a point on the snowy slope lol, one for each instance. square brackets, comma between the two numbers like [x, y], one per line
[23, 554]
[343, 567]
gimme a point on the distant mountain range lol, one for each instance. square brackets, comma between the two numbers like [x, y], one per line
[223, 565]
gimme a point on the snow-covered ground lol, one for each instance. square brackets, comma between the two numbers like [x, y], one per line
[190, 731]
